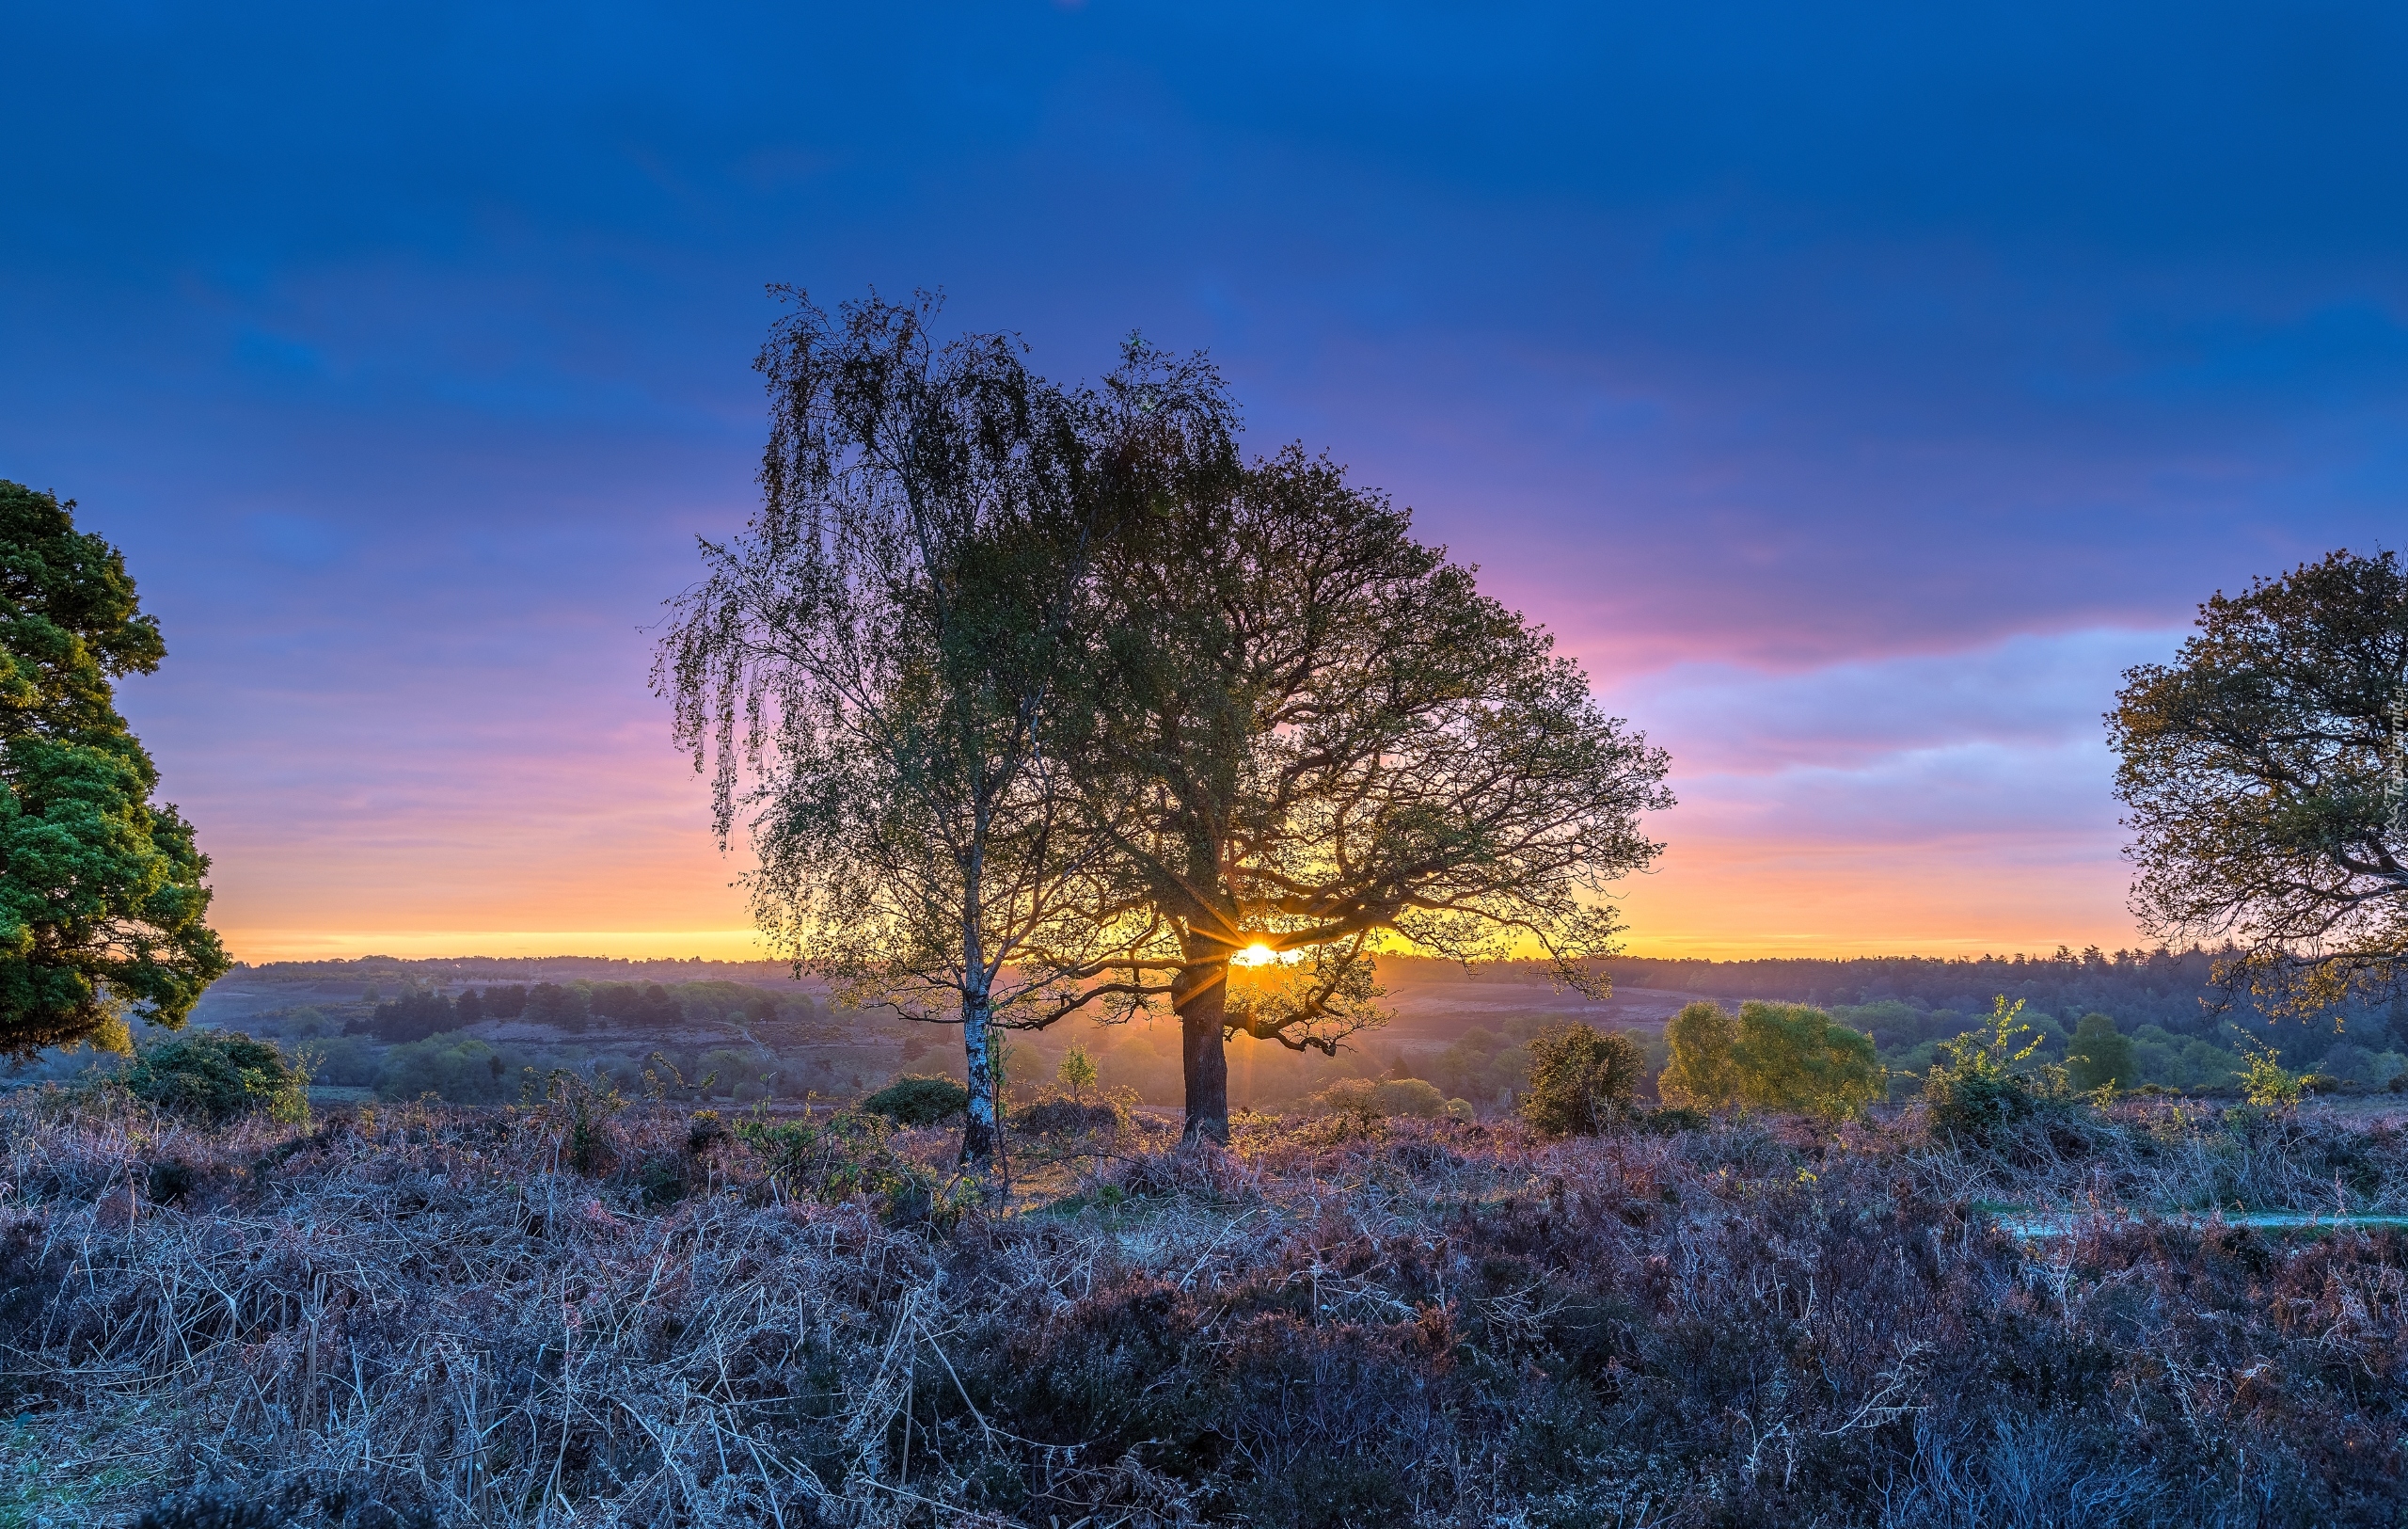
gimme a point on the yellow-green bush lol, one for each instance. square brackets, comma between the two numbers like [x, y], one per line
[1773, 1056]
[1700, 1072]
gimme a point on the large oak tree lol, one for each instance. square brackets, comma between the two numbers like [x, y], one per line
[1313, 734]
[2263, 770]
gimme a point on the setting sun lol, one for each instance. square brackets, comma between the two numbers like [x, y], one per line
[1254, 955]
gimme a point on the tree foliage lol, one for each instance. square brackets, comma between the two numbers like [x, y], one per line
[1319, 734]
[1790, 1055]
[1049, 698]
[102, 899]
[2263, 775]
[878, 653]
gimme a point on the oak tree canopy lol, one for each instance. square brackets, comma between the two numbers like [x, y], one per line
[2263, 775]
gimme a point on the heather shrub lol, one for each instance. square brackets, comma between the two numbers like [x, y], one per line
[1759, 1321]
[1369, 1100]
[1580, 1079]
[1067, 1116]
[919, 1100]
[214, 1075]
[851, 1156]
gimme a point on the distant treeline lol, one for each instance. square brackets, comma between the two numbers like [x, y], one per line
[572, 1006]
[2173, 990]
[526, 970]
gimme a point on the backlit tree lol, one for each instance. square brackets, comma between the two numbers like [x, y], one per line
[2263, 775]
[1313, 733]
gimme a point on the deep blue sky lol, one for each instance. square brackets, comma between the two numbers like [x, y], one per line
[1854, 387]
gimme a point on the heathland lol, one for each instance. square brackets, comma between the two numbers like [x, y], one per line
[589, 1309]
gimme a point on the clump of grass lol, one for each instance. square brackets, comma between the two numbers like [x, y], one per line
[1763, 1320]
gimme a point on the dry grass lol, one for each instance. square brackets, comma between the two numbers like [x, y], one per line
[434, 1313]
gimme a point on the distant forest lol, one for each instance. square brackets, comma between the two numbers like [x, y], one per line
[389, 970]
[2173, 990]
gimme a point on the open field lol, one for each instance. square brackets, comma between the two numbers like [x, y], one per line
[567, 1316]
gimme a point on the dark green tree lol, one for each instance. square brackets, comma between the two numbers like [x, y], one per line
[2097, 1054]
[102, 904]
[2265, 772]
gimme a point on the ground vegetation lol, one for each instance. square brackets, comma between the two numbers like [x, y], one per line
[608, 1311]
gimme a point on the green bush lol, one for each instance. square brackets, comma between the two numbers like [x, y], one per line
[919, 1100]
[1580, 1079]
[1983, 1088]
[729, 1068]
[1792, 1057]
[216, 1076]
[2268, 1084]
[851, 1156]
[347, 1061]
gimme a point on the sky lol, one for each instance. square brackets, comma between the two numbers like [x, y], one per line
[1855, 390]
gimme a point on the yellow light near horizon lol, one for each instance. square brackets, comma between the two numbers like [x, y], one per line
[1254, 955]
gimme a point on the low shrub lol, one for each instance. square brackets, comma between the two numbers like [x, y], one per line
[919, 1100]
[1368, 1100]
[851, 1156]
[2267, 1083]
[1067, 1117]
[214, 1075]
[1985, 1087]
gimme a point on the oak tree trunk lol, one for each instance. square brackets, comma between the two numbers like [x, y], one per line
[1200, 996]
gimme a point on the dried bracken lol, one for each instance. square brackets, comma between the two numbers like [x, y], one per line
[430, 1315]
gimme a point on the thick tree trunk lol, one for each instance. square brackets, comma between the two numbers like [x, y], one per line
[1200, 995]
[978, 1054]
